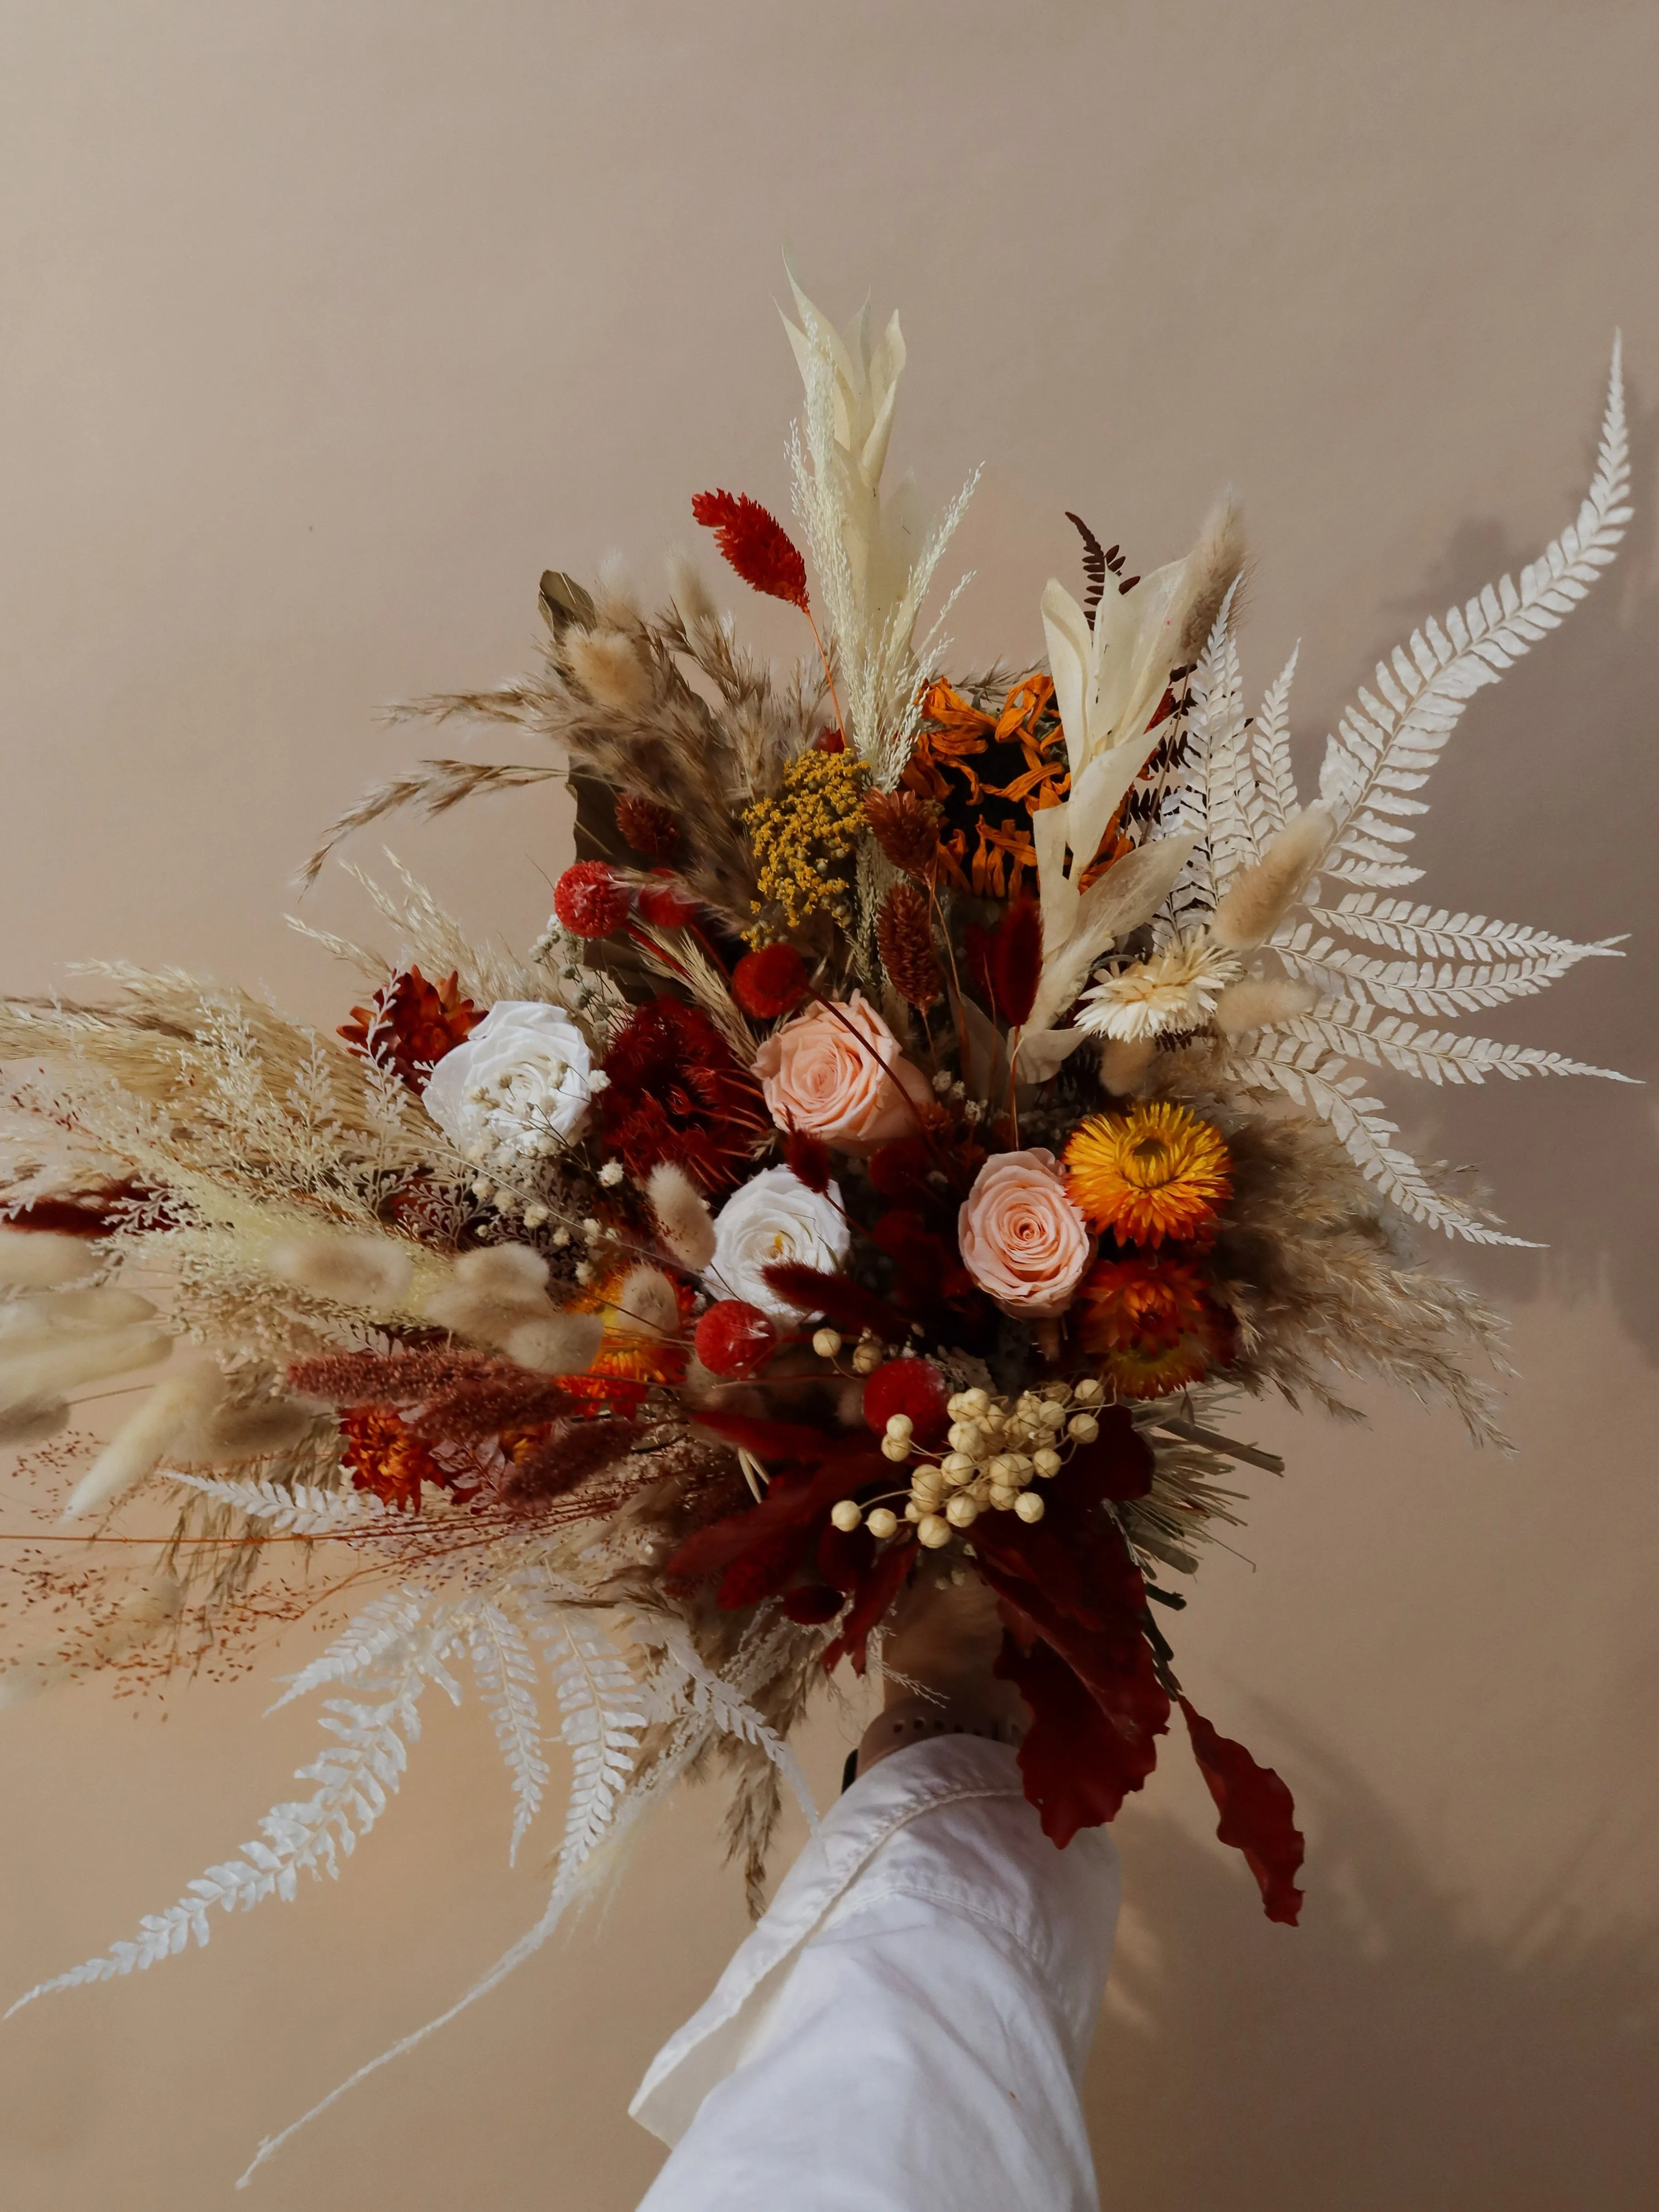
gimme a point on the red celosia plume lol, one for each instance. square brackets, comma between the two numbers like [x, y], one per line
[754, 543]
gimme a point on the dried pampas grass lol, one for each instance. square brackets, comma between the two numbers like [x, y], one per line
[40, 1258]
[144, 1440]
[609, 669]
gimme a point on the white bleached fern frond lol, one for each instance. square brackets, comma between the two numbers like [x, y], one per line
[1360, 1032]
[300, 1510]
[602, 1712]
[1436, 933]
[1236, 813]
[505, 1669]
[686, 1682]
[1386, 747]
[356, 1777]
[1270, 749]
[363, 1641]
[1423, 987]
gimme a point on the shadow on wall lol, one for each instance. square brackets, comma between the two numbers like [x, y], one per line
[1543, 812]
[1383, 2056]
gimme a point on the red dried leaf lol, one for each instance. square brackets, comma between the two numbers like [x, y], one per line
[843, 1305]
[875, 1592]
[755, 543]
[1078, 1765]
[1006, 962]
[1258, 1815]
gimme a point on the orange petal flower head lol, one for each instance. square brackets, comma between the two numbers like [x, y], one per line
[1155, 1172]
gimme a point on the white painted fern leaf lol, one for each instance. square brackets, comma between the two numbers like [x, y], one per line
[1386, 747]
[1360, 1032]
[686, 1681]
[1436, 933]
[362, 1643]
[302, 1510]
[602, 1712]
[355, 1776]
[1426, 986]
[1325, 1084]
[1270, 751]
[1234, 810]
[505, 1669]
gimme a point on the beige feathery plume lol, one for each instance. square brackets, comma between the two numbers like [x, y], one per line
[1215, 564]
[1256, 1003]
[40, 1366]
[692, 603]
[647, 1304]
[144, 1440]
[685, 1227]
[1256, 904]
[39, 1259]
[503, 1271]
[350, 1268]
[556, 1343]
[604, 663]
[1123, 1064]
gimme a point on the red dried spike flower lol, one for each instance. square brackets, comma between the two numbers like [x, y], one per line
[649, 829]
[411, 1023]
[769, 982]
[755, 543]
[588, 899]
[677, 1093]
[664, 903]
[734, 1339]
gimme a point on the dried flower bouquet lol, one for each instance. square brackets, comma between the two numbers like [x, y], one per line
[934, 1105]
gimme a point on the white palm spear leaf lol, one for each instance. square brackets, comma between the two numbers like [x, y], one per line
[1243, 796]
[875, 557]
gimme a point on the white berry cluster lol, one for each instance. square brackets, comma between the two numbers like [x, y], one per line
[997, 1448]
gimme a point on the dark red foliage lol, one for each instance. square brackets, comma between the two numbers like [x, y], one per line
[410, 1025]
[664, 902]
[649, 829]
[1118, 1465]
[677, 1093]
[812, 1604]
[928, 1266]
[912, 1386]
[588, 899]
[758, 1552]
[807, 1158]
[843, 1305]
[875, 1592]
[734, 1339]
[572, 1451]
[1079, 1764]
[845, 1556]
[754, 543]
[1006, 963]
[91, 1213]
[791, 1442]
[1258, 1815]
[768, 982]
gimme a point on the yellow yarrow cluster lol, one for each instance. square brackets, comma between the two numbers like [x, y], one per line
[800, 837]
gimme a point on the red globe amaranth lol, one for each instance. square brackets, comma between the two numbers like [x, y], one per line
[912, 1386]
[769, 982]
[734, 1339]
[664, 902]
[588, 899]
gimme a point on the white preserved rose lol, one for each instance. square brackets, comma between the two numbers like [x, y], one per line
[774, 1220]
[520, 1088]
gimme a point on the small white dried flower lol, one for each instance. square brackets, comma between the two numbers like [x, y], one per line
[1175, 990]
[612, 1173]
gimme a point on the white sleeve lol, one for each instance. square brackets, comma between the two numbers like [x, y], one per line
[905, 2030]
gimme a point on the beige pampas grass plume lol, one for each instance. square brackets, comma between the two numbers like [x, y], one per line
[509, 1272]
[647, 1304]
[1256, 1003]
[350, 1268]
[145, 1439]
[1217, 559]
[685, 1227]
[1124, 1062]
[46, 1364]
[562, 1344]
[40, 1260]
[609, 669]
[1259, 897]
[33, 1422]
[690, 595]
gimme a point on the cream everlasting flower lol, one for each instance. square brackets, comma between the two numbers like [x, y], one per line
[774, 1220]
[1174, 991]
[520, 1088]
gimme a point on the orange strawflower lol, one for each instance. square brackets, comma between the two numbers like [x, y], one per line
[1153, 1322]
[1154, 1172]
[384, 1455]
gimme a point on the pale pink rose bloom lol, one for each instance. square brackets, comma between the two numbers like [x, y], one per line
[1023, 1241]
[840, 1076]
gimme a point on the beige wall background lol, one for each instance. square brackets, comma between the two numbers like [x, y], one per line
[325, 329]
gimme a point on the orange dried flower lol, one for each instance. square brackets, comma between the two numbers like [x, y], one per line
[384, 1455]
[1155, 1172]
[411, 1023]
[1154, 1321]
